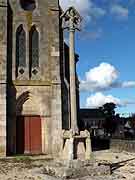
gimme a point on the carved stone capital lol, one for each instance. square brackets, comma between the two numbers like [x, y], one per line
[71, 18]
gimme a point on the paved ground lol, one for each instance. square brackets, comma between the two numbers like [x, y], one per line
[31, 168]
[123, 164]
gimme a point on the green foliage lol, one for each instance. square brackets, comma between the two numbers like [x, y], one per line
[108, 110]
[22, 159]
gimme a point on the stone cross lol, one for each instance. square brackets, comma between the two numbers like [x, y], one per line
[72, 19]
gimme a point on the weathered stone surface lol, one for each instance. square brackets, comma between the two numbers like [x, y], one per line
[40, 93]
[3, 78]
[33, 167]
[29, 91]
[122, 145]
[74, 169]
[76, 146]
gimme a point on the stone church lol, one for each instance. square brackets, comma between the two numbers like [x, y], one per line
[34, 78]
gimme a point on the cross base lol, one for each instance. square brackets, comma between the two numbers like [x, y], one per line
[76, 146]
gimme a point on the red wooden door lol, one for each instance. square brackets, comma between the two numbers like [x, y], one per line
[28, 135]
[33, 144]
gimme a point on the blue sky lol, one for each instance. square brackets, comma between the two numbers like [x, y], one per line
[106, 47]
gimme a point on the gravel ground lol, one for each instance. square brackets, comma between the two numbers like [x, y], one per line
[31, 168]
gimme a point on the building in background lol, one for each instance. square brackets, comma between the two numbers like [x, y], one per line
[93, 120]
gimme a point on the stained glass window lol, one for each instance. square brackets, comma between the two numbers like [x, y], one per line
[34, 47]
[20, 47]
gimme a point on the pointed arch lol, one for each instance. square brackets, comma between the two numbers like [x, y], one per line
[20, 48]
[21, 100]
[34, 49]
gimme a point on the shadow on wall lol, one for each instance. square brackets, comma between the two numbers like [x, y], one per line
[21, 100]
[11, 91]
[14, 105]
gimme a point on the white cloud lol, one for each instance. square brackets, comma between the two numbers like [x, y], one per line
[119, 12]
[99, 99]
[97, 12]
[103, 77]
[99, 78]
[104, 74]
[128, 84]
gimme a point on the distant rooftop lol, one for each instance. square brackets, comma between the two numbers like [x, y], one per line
[92, 113]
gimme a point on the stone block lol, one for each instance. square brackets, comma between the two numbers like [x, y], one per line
[76, 169]
[80, 150]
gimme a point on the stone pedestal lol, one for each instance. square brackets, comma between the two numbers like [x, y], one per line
[76, 146]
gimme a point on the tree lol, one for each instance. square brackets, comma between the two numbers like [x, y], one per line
[108, 110]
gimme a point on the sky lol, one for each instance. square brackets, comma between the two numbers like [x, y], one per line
[106, 47]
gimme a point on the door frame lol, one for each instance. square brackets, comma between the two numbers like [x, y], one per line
[27, 147]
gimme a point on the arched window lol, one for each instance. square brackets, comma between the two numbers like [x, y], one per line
[34, 49]
[28, 5]
[20, 48]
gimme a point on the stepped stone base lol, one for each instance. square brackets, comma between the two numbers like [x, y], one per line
[76, 169]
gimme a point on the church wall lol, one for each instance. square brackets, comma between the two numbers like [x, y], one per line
[3, 79]
[2, 119]
[44, 97]
[31, 101]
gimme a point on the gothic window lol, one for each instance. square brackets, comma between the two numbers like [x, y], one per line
[34, 50]
[28, 5]
[20, 48]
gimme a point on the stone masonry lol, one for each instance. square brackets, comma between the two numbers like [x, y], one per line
[35, 79]
[3, 77]
[40, 94]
